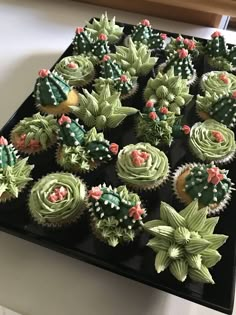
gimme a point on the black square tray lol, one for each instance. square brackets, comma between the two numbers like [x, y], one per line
[134, 261]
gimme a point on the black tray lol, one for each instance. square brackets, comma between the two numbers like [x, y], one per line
[134, 261]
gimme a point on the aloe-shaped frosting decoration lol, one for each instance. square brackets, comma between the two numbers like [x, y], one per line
[185, 242]
[168, 90]
[102, 110]
[82, 43]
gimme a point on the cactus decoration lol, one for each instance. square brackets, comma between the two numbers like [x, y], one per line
[232, 57]
[116, 214]
[102, 110]
[109, 68]
[157, 41]
[168, 90]
[184, 242]
[125, 86]
[7, 154]
[71, 132]
[219, 107]
[82, 43]
[100, 48]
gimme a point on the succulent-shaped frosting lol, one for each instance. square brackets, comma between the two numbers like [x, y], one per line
[219, 107]
[102, 110]
[141, 165]
[100, 48]
[125, 86]
[185, 242]
[82, 43]
[219, 82]
[14, 172]
[142, 33]
[212, 141]
[35, 133]
[193, 46]
[109, 68]
[217, 52]
[104, 26]
[116, 213]
[71, 132]
[77, 70]
[50, 89]
[155, 126]
[135, 60]
[182, 64]
[57, 199]
[232, 56]
[168, 90]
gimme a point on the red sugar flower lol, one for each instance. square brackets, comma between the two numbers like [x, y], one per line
[95, 193]
[3, 141]
[145, 22]
[34, 144]
[59, 194]
[114, 148]
[64, 119]
[191, 45]
[216, 34]
[123, 78]
[136, 212]
[234, 94]
[164, 110]
[79, 30]
[217, 135]
[106, 58]
[223, 77]
[214, 175]
[149, 104]
[183, 53]
[139, 157]
[102, 37]
[153, 115]
[186, 129]
[163, 36]
[179, 39]
[72, 65]
[43, 73]
[186, 41]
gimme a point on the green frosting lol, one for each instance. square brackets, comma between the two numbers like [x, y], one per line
[116, 213]
[102, 110]
[13, 178]
[71, 132]
[7, 154]
[221, 108]
[151, 172]
[220, 63]
[200, 184]
[104, 26]
[219, 82]
[142, 33]
[36, 131]
[74, 158]
[184, 242]
[110, 69]
[82, 43]
[63, 209]
[135, 60]
[77, 70]
[99, 49]
[205, 144]
[50, 89]
[232, 56]
[157, 41]
[125, 86]
[169, 91]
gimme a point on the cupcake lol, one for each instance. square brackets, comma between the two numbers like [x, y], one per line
[102, 110]
[212, 141]
[142, 166]
[137, 61]
[185, 242]
[205, 182]
[57, 200]
[219, 107]
[81, 151]
[35, 134]
[82, 42]
[168, 90]
[76, 70]
[103, 26]
[182, 64]
[53, 95]
[116, 214]
[218, 82]
[14, 172]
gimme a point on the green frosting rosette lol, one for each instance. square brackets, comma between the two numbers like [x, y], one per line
[142, 166]
[35, 134]
[76, 70]
[14, 172]
[185, 242]
[102, 110]
[116, 214]
[219, 107]
[57, 199]
[212, 141]
[168, 90]
[105, 26]
[135, 60]
[218, 82]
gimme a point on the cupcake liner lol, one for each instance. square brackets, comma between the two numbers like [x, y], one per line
[202, 115]
[213, 209]
[131, 93]
[58, 225]
[88, 82]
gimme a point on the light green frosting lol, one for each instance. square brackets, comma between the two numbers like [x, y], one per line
[184, 242]
[153, 171]
[14, 178]
[135, 60]
[220, 63]
[104, 26]
[40, 128]
[62, 211]
[205, 146]
[73, 158]
[80, 75]
[102, 110]
[212, 83]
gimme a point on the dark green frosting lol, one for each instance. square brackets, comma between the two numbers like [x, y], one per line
[82, 43]
[142, 32]
[100, 47]
[109, 68]
[194, 47]
[7, 154]
[71, 132]
[232, 56]
[123, 85]
[216, 47]
[50, 89]
[156, 41]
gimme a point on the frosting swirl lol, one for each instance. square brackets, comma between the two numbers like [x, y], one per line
[153, 170]
[77, 70]
[64, 208]
[218, 82]
[212, 141]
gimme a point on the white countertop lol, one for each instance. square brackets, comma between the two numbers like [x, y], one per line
[34, 280]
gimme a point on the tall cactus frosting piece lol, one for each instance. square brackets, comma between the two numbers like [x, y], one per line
[82, 43]
[184, 242]
[100, 47]
[125, 86]
[109, 68]
[142, 32]
[7, 154]
[157, 41]
[116, 214]
[232, 57]
[71, 132]
[102, 110]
